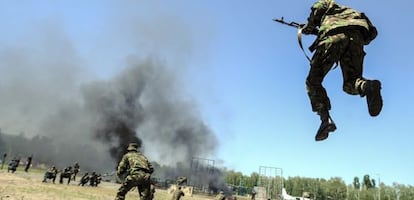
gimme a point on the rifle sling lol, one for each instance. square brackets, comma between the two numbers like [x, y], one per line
[300, 42]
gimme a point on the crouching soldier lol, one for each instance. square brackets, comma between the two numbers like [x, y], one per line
[67, 173]
[13, 165]
[93, 179]
[84, 179]
[50, 174]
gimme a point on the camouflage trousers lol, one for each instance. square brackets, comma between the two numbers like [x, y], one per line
[140, 180]
[346, 49]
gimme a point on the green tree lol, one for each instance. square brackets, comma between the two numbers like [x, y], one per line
[367, 182]
[336, 188]
[356, 183]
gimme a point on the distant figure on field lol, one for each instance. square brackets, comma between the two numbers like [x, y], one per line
[177, 194]
[50, 174]
[93, 179]
[75, 170]
[84, 179]
[221, 196]
[66, 173]
[13, 165]
[29, 163]
[4, 160]
[252, 194]
[181, 180]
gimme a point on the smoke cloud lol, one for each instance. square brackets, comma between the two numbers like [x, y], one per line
[54, 107]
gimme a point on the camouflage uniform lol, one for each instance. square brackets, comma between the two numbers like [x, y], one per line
[84, 179]
[221, 196]
[152, 189]
[66, 173]
[13, 165]
[253, 195]
[139, 173]
[178, 194]
[93, 179]
[75, 170]
[50, 174]
[343, 32]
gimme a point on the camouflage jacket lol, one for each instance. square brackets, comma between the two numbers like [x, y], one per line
[220, 197]
[134, 162]
[52, 170]
[177, 195]
[333, 18]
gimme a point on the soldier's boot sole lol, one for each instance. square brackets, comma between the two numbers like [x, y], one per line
[374, 98]
[324, 130]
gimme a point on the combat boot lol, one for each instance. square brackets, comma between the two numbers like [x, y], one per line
[327, 126]
[374, 99]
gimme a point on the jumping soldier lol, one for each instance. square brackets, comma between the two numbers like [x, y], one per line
[342, 34]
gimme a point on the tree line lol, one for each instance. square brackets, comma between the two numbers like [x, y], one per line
[335, 188]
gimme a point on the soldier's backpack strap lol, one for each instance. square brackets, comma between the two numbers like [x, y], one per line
[301, 44]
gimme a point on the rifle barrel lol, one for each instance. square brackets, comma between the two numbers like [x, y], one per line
[293, 24]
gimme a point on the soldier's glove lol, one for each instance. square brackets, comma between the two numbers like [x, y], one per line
[307, 30]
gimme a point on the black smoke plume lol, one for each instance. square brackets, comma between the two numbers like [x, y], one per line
[56, 104]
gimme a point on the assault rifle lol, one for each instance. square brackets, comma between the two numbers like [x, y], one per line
[293, 24]
[313, 46]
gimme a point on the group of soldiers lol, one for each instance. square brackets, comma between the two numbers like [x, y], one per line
[70, 173]
[14, 163]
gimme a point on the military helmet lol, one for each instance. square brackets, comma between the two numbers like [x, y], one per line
[132, 147]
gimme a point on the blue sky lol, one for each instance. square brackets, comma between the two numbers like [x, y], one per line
[247, 75]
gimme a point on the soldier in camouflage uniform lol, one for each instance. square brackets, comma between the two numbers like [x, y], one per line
[152, 191]
[66, 173]
[84, 179]
[220, 196]
[93, 179]
[342, 34]
[177, 194]
[75, 170]
[50, 174]
[139, 173]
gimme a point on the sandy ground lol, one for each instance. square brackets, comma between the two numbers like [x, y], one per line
[24, 186]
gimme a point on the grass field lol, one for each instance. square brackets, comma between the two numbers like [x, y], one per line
[25, 186]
